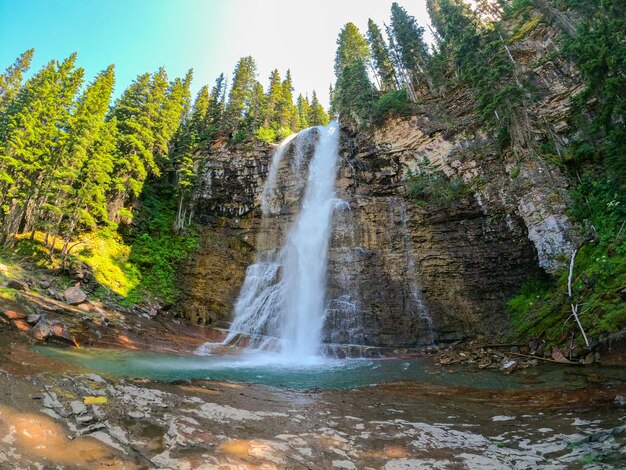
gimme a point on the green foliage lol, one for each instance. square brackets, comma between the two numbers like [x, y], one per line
[429, 185]
[351, 47]
[411, 50]
[393, 104]
[11, 79]
[355, 96]
[596, 157]
[380, 55]
[240, 94]
[157, 248]
[317, 115]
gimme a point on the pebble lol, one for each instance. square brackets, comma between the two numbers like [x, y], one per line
[84, 419]
[78, 408]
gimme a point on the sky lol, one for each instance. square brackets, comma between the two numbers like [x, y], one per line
[209, 36]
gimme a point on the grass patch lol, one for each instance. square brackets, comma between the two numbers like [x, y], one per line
[108, 258]
[542, 307]
[525, 29]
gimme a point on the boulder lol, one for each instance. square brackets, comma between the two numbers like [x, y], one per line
[74, 295]
[46, 330]
[18, 285]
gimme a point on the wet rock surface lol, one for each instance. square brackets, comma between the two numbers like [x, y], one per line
[205, 424]
[59, 415]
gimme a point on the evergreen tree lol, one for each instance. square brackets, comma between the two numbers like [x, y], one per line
[11, 79]
[134, 114]
[244, 78]
[215, 110]
[37, 121]
[411, 48]
[255, 111]
[172, 112]
[332, 112]
[288, 113]
[56, 198]
[304, 107]
[317, 115]
[380, 56]
[351, 47]
[197, 121]
[273, 101]
[189, 140]
[88, 207]
[355, 96]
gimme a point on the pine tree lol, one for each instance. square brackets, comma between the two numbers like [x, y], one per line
[189, 140]
[273, 101]
[215, 110]
[380, 56]
[11, 79]
[288, 113]
[58, 186]
[255, 112]
[317, 115]
[411, 48]
[174, 107]
[134, 113]
[355, 96]
[332, 112]
[240, 94]
[304, 107]
[351, 47]
[36, 134]
[88, 207]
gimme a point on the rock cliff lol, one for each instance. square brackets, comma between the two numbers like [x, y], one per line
[402, 273]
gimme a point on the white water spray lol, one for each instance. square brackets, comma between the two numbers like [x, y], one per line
[282, 298]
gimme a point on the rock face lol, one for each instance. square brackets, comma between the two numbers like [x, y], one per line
[401, 273]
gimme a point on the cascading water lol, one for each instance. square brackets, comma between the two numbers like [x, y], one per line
[282, 298]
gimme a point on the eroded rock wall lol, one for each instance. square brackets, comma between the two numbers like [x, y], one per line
[401, 273]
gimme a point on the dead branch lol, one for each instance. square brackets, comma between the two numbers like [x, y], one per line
[573, 305]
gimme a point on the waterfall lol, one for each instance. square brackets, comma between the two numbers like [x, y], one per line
[281, 303]
[413, 281]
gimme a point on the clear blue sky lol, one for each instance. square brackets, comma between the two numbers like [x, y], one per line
[207, 35]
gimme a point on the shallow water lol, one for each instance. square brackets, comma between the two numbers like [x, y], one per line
[319, 373]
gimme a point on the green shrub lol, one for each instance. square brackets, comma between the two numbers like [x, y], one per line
[431, 185]
[392, 104]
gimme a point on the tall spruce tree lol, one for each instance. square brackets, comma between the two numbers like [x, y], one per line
[288, 113]
[272, 100]
[36, 134]
[354, 95]
[56, 198]
[380, 55]
[351, 47]
[411, 48]
[11, 79]
[173, 109]
[135, 141]
[317, 115]
[303, 105]
[215, 111]
[244, 78]
[255, 112]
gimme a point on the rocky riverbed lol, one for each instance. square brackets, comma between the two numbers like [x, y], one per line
[55, 414]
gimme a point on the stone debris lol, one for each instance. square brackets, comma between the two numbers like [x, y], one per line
[46, 330]
[74, 295]
[18, 285]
